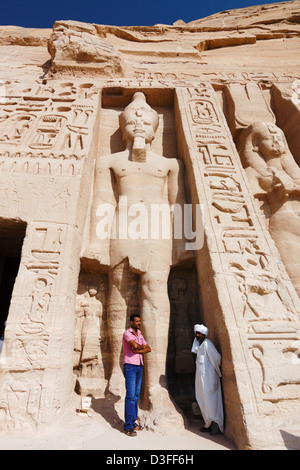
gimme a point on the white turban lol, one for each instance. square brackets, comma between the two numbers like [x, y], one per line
[201, 329]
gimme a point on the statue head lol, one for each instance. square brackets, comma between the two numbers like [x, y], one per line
[138, 120]
[268, 139]
[93, 290]
[264, 139]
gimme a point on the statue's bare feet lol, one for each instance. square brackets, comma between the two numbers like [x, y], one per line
[162, 414]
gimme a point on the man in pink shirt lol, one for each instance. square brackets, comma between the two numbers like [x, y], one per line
[134, 346]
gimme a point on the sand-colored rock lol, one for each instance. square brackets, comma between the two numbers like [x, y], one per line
[73, 44]
[217, 129]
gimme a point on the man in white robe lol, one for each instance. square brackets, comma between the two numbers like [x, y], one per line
[207, 381]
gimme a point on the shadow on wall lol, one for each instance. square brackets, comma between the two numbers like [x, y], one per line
[291, 441]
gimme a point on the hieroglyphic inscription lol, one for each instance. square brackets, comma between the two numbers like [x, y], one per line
[210, 76]
[45, 128]
[262, 296]
[40, 270]
[234, 224]
[32, 344]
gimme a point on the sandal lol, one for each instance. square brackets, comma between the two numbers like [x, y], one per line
[137, 427]
[205, 429]
[130, 432]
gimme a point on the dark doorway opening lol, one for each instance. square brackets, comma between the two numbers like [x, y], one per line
[12, 234]
[186, 311]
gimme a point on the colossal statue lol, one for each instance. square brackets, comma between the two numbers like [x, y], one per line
[138, 181]
[275, 179]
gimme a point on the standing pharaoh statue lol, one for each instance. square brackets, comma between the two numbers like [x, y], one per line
[138, 181]
[274, 177]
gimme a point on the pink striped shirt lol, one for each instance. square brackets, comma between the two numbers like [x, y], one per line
[129, 356]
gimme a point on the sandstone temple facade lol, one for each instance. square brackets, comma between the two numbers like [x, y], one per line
[222, 101]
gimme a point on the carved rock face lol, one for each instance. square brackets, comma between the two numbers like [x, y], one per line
[61, 123]
[271, 141]
[75, 45]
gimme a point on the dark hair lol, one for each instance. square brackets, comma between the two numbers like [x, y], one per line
[134, 315]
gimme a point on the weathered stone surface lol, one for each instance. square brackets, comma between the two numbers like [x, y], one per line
[212, 118]
[74, 44]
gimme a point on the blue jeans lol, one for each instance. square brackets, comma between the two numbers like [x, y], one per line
[133, 380]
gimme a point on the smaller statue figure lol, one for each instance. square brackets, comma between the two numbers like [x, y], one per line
[89, 313]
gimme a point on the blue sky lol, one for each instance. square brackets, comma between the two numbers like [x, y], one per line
[42, 14]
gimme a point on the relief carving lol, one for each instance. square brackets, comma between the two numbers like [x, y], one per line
[15, 128]
[89, 314]
[86, 199]
[34, 375]
[203, 112]
[78, 45]
[36, 319]
[275, 180]
[264, 304]
[47, 132]
[138, 179]
[47, 120]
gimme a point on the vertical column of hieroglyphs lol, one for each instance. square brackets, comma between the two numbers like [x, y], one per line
[258, 301]
[45, 140]
[38, 340]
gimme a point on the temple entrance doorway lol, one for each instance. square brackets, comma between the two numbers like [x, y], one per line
[186, 311]
[12, 234]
